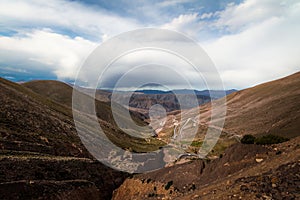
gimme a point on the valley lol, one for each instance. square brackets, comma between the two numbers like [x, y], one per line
[43, 157]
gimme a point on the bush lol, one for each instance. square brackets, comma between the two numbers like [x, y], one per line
[248, 139]
[169, 184]
[270, 139]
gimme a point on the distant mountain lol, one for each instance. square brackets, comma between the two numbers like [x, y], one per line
[215, 94]
[142, 100]
[169, 101]
[152, 92]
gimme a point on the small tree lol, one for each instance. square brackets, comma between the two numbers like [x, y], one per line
[248, 139]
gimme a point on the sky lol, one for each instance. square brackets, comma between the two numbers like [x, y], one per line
[250, 41]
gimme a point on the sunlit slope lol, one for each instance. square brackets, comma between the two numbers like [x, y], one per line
[269, 108]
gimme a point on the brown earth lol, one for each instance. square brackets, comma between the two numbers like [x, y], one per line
[41, 155]
[269, 108]
[244, 172]
[62, 93]
[69, 190]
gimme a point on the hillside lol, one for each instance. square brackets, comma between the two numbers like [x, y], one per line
[38, 138]
[269, 108]
[54, 90]
[37, 131]
[241, 171]
[140, 102]
[62, 93]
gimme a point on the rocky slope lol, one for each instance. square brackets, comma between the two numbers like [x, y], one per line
[242, 171]
[269, 108]
[41, 156]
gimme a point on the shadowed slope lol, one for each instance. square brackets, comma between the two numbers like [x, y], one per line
[54, 90]
[62, 93]
[41, 154]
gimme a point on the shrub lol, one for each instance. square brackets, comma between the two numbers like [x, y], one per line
[169, 184]
[248, 139]
[270, 139]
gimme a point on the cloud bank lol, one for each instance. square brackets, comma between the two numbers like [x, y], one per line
[250, 42]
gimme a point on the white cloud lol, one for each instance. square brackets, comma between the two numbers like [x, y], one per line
[260, 41]
[42, 33]
[59, 53]
[266, 49]
[173, 2]
[206, 15]
[64, 14]
[185, 23]
[250, 12]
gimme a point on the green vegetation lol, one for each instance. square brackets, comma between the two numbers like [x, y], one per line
[169, 184]
[263, 140]
[248, 139]
[222, 144]
[152, 195]
[270, 139]
[197, 143]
